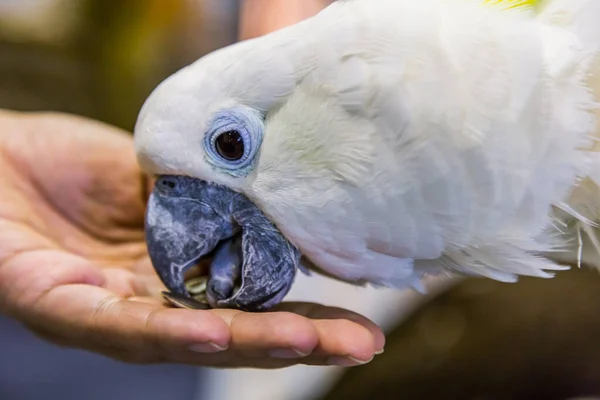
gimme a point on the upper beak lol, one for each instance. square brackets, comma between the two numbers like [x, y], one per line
[252, 267]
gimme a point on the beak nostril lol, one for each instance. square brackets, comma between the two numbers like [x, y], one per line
[167, 183]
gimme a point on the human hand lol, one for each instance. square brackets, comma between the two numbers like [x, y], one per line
[74, 268]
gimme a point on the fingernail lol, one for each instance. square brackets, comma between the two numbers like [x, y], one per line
[206, 348]
[378, 352]
[346, 361]
[287, 353]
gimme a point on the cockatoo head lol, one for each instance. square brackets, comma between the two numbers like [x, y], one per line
[200, 134]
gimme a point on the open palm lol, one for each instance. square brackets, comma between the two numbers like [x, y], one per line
[74, 268]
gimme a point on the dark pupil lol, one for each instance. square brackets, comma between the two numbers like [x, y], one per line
[230, 145]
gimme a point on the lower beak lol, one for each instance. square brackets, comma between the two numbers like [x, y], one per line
[252, 265]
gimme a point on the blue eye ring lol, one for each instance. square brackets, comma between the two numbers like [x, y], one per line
[246, 124]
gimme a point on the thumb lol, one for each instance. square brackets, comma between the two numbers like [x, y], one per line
[28, 276]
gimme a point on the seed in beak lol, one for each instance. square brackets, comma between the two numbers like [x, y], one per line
[197, 300]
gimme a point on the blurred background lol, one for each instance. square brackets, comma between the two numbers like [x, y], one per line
[471, 339]
[100, 58]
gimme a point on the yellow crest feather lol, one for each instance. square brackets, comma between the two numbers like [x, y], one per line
[509, 4]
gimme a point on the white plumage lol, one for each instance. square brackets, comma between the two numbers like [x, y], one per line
[407, 137]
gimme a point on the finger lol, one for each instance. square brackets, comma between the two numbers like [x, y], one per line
[281, 335]
[344, 338]
[342, 343]
[316, 311]
[21, 283]
[271, 340]
[96, 318]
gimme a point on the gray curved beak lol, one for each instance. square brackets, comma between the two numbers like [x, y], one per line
[252, 265]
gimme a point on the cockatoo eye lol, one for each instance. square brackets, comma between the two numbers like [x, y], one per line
[233, 140]
[230, 145]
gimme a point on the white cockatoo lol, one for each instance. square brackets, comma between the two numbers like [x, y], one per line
[378, 142]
